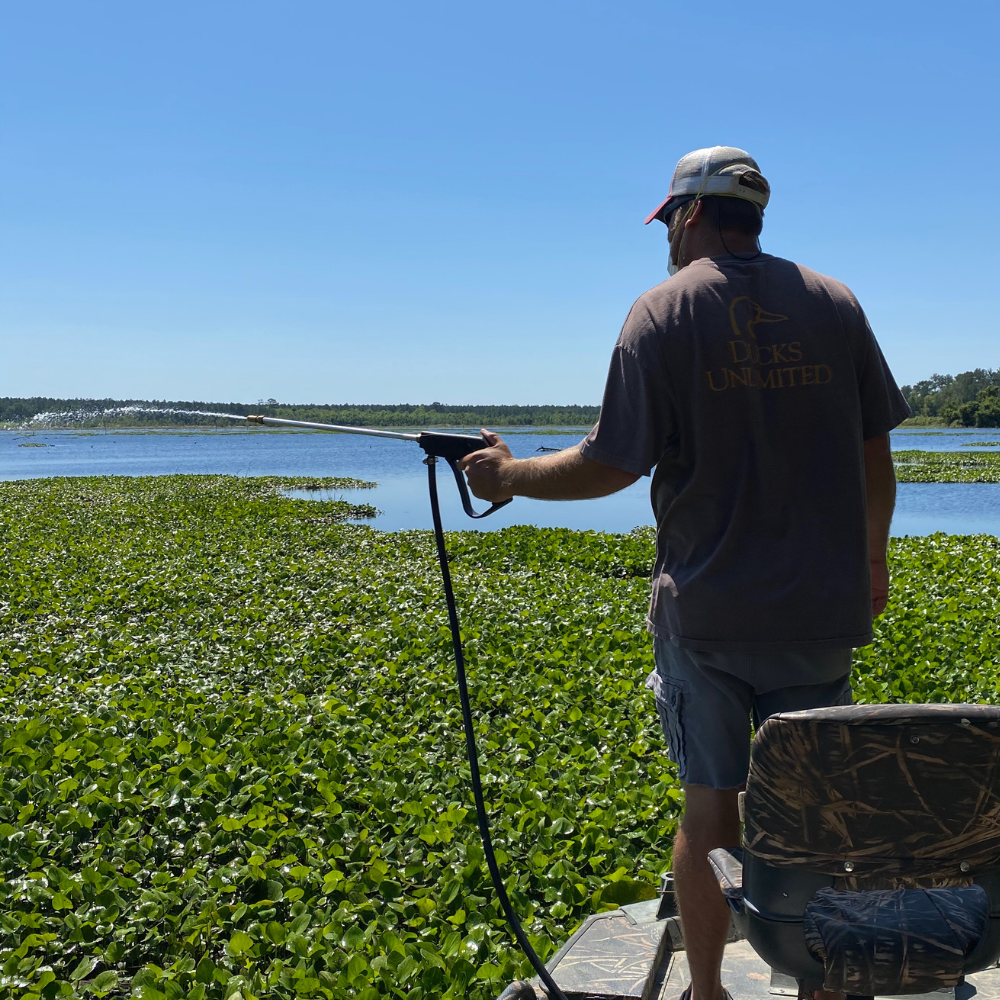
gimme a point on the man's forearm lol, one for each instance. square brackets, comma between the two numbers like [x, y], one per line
[880, 486]
[494, 474]
[565, 475]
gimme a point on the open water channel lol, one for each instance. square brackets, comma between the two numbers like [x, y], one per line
[401, 496]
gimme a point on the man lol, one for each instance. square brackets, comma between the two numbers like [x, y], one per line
[757, 390]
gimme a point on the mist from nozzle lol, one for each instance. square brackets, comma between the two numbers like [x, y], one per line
[84, 418]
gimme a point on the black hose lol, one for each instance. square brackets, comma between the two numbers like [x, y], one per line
[470, 743]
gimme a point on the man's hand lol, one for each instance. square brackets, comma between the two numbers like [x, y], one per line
[488, 471]
[880, 585]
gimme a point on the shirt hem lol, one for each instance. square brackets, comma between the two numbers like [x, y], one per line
[755, 646]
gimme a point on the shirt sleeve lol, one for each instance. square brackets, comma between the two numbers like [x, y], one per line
[882, 404]
[636, 420]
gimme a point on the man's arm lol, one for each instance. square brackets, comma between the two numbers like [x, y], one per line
[880, 486]
[494, 474]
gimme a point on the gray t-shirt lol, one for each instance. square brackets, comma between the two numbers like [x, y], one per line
[750, 386]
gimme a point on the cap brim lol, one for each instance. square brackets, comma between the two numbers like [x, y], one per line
[664, 210]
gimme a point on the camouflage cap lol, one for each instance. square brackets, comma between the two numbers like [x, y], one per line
[717, 170]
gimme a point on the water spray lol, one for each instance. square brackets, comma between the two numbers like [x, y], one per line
[48, 419]
[453, 448]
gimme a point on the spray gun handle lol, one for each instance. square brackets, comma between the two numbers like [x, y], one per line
[452, 448]
[466, 499]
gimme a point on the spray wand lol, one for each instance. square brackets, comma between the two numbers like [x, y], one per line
[453, 448]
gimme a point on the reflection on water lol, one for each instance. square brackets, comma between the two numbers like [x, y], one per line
[922, 508]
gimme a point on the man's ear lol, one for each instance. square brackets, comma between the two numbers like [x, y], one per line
[695, 217]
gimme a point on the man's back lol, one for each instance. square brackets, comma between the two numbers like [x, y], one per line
[756, 389]
[757, 381]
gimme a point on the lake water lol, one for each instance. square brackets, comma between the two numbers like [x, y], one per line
[957, 508]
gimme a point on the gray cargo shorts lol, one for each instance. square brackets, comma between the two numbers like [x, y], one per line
[706, 702]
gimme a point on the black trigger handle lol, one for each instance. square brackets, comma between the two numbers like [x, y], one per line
[452, 448]
[463, 489]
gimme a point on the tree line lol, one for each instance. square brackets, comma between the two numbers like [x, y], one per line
[971, 399]
[107, 412]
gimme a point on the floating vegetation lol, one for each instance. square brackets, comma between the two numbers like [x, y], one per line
[981, 444]
[231, 757]
[946, 467]
[939, 640]
[33, 444]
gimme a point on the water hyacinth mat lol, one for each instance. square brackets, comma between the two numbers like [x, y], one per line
[947, 467]
[232, 757]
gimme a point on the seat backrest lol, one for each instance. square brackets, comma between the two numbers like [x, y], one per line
[908, 791]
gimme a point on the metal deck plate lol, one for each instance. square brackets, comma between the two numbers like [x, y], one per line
[618, 955]
[628, 954]
[746, 976]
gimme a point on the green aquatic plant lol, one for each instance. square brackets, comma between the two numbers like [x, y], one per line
[939, 640]
[947, 467]
[231, 757]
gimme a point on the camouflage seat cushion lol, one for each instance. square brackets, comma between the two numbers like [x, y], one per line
[895, 941]
[877, 790]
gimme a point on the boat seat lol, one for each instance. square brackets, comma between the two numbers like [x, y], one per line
[870, 861]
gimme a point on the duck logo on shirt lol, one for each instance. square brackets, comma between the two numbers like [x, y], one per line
[757, 365]
[753, 313]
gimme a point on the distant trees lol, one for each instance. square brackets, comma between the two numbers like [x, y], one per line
[171, 413]
[971, 399]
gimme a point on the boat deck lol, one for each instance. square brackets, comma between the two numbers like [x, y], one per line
[631, 954]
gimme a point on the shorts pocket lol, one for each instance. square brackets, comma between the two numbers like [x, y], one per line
[670, 708]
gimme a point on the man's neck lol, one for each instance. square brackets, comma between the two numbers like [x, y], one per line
[716, 244]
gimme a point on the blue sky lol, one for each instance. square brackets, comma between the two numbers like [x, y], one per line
[400, 202]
